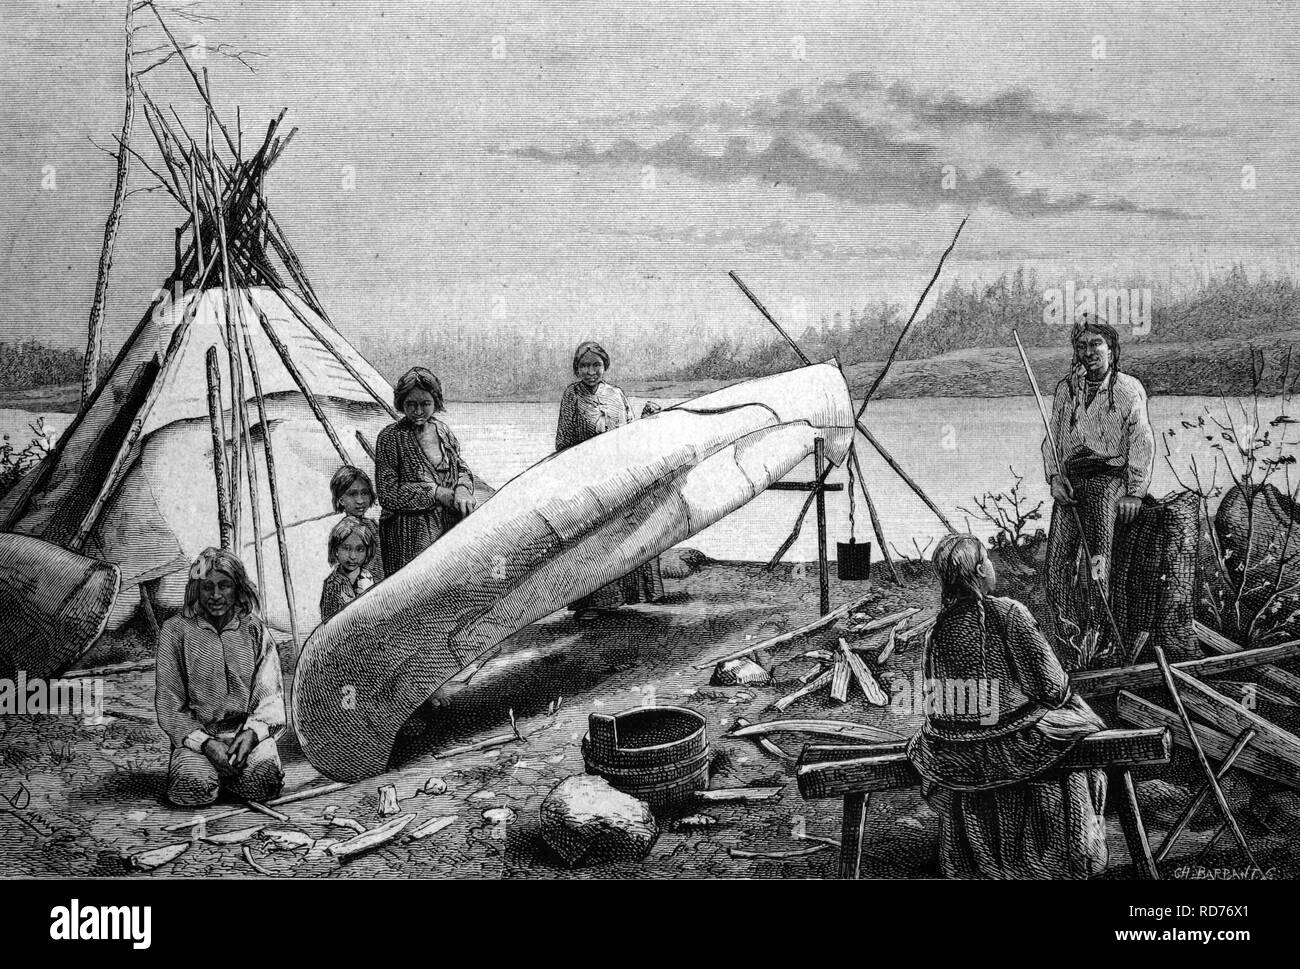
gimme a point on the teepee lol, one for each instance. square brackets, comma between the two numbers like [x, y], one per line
[226, 412]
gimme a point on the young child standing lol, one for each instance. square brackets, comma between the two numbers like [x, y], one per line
[354, 494]
[351, 547]
[219, 694]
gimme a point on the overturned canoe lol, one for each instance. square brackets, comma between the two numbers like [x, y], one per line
[53, 605]
[557, 532]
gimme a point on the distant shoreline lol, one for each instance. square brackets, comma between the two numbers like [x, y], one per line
[1207, 369]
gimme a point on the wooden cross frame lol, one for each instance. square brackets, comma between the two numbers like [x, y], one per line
[854, 772]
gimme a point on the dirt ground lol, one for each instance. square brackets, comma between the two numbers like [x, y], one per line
[79, 800]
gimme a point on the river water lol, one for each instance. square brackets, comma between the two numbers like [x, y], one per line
[956, 449]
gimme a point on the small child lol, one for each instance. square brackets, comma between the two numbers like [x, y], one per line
[351, 546]
[220, 697]
[354, 494]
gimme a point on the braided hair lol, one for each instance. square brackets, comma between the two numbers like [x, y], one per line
[957, 560]
[1111, 336]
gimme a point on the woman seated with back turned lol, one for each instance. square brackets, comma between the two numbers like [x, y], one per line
[1003, 813]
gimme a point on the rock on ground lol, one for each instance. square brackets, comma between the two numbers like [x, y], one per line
[739, 672]
[586, 821]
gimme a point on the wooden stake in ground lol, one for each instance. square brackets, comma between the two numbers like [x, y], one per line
[218, 449]
[876, 526]
[823, 566]
[1200, 756]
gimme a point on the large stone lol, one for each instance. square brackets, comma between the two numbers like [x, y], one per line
[586, 821]
[739, 672]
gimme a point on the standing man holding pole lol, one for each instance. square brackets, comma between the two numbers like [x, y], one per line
[1098, 458]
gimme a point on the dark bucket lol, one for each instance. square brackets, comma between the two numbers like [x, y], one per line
[657, 754]
[853, 560]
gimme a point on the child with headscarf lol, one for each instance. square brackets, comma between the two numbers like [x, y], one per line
[219, 694]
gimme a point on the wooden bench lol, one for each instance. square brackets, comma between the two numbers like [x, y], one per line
[854, 772]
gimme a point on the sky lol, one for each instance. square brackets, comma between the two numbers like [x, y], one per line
[599, 167]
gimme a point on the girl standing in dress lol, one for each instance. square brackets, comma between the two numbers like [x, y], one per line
[424, 484]
[589, 407]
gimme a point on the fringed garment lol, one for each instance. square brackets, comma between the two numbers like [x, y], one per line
[584, 414]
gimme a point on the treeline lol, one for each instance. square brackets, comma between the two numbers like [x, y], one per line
[1228, 304]
[32, 364]
[519, 361]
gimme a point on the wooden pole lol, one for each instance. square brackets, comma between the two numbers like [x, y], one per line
[95, 328]
[268, 452]
[283, 352]
[876, 526]
[1195, 803]
[228, 299]
[117, 470]
[1206, 769]
[219, 450]
[254, 485]
[823, 566]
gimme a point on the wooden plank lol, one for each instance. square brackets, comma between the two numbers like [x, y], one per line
[855, 818]
[821, 681]
[1135, 832]
[820, 623]
[1143, 713]
[866, 682]
[825, 753]
[840, 680]
[1114, 679]
[887, 767]
[1172, 682]
[1232, 718]
[1269, 675]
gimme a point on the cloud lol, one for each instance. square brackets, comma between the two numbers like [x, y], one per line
[859, 140]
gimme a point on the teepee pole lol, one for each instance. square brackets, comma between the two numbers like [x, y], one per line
[117, 470]
[283, 352]
[219, 450]
[277, 516]
[876, 526]
[254, 484]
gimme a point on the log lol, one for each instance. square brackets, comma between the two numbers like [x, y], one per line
[823, 680]
[866, 682]
[822, 728]
[1105, 682]
[730, 795]
[1232, 718]
[766, 745]
[840, 680]
[1279, 679]
[1143, 713]
[820, 622]
[374, 838]
[889, 769]
[884, 622]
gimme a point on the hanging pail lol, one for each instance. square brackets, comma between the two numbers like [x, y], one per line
[853, 560]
